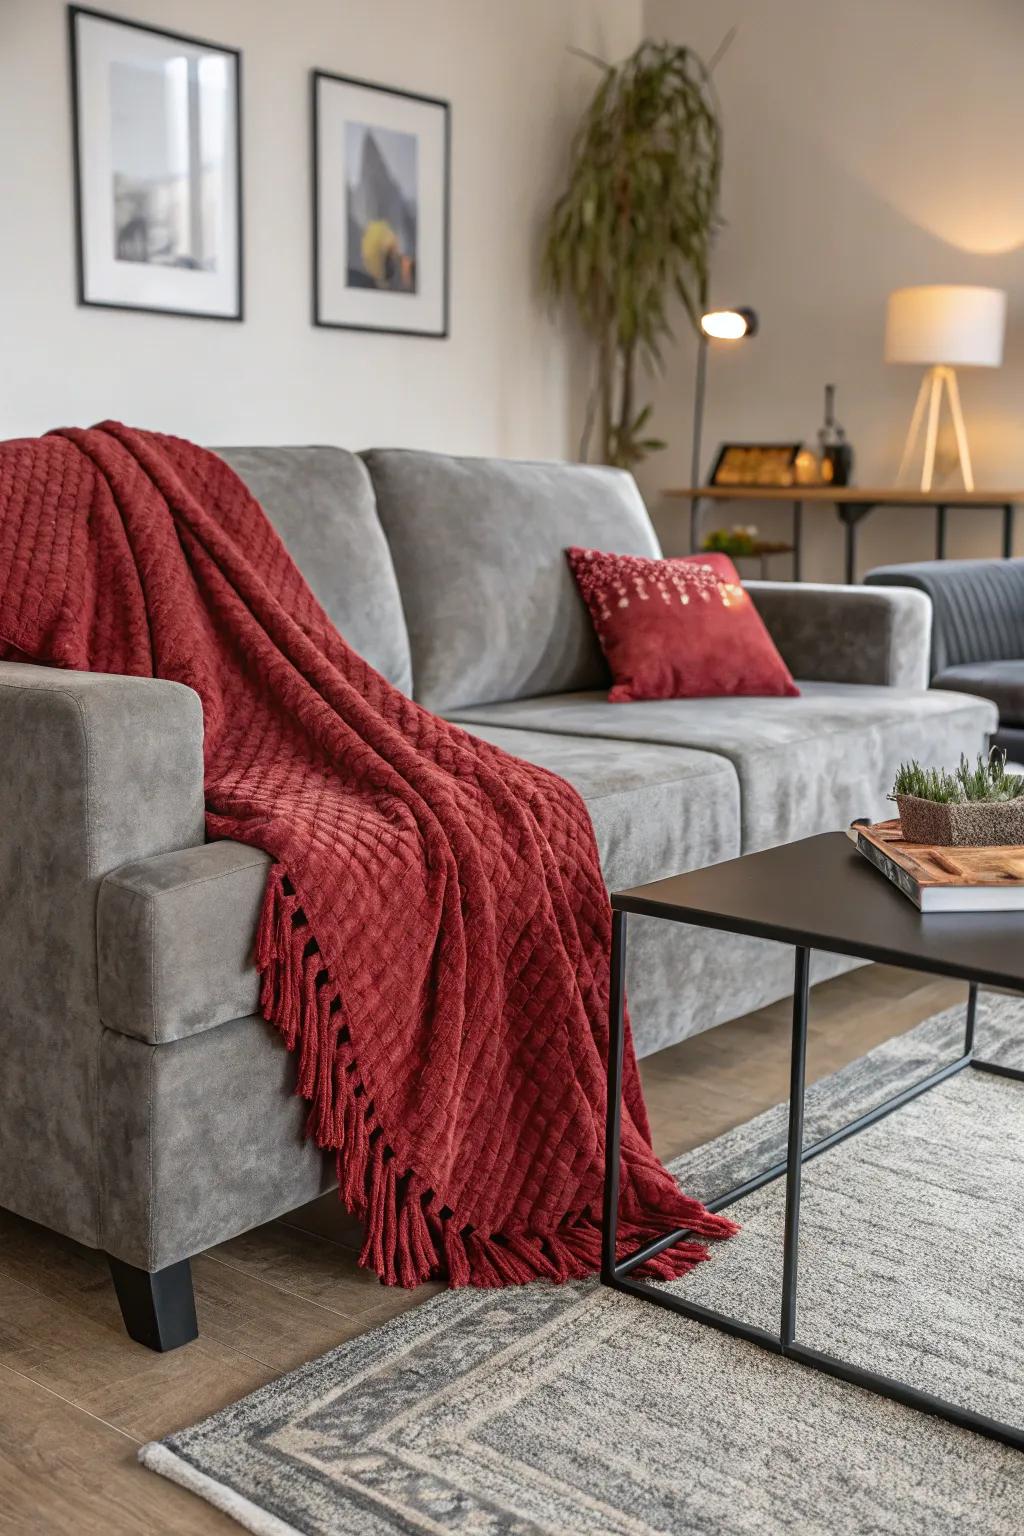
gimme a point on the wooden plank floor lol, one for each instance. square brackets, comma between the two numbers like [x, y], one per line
[77, 1397]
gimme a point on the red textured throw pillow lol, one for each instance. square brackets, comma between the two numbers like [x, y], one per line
[678, 629]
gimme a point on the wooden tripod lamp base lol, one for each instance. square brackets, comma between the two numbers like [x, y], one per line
[943, 326]
[938, 380]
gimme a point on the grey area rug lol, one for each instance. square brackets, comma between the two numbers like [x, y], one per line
[579, 1410]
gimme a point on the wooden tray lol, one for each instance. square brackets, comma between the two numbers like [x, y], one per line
[931, 866]
[944, 879]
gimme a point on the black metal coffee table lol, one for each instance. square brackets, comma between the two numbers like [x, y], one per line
[816, 894]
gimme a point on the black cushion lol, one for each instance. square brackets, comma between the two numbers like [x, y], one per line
[1011, 741]
[1000, 681]
[978, 608]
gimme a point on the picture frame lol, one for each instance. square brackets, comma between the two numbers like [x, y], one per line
[157, 167]
[755, 464]
[381, 207]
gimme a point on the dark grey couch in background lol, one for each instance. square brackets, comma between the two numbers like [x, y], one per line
[977, 632]
[145, 1108]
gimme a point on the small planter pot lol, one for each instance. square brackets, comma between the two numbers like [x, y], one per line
[970, 824]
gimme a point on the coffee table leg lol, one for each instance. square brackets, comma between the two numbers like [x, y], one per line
[996, 1068]
[794, 1155]
[613, 1110]
[621, 1277]
[972, 1011]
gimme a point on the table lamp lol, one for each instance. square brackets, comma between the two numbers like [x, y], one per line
[942, 327]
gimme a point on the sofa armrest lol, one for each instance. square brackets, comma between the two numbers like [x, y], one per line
[175, 937]
[834, 634]
[977, 606]
[94, 771]
[110, 767]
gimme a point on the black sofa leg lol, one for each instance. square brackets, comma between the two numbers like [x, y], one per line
[159, 1310]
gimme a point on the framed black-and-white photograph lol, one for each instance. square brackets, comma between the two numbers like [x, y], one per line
[380, 208]
[158, 174]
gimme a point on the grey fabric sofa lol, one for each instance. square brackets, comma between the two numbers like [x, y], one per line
[977, 632]
[145, 1108]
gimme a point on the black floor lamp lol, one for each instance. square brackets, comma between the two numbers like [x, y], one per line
[715, 325]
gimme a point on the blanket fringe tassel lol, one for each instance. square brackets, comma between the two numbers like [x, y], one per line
[411, 1236]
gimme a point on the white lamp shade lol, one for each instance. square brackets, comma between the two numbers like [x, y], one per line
[946, 323]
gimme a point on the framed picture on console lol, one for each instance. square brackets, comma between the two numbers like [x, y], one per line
[755, 464]
[157, 166]
[381, 196]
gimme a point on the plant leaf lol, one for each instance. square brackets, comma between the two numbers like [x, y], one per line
[635, 225]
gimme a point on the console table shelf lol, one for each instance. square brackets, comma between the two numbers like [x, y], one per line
[852, 503]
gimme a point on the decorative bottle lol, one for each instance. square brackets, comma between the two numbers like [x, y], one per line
[835, 452]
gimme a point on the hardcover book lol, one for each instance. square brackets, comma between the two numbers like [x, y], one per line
[944, 879]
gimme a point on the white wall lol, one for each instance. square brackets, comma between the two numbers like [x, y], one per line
[867, 146]
[503, 383]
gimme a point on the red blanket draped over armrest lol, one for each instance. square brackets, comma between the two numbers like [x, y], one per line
[435, 934]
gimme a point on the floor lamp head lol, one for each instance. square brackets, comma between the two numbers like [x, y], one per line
[715, 325]
[729, 324]
[942, 327]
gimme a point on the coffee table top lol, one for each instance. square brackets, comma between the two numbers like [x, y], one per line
[821, 893]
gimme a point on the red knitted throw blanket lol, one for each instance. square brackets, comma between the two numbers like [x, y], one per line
[435, 934]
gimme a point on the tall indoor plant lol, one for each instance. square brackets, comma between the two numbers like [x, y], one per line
[634, 226]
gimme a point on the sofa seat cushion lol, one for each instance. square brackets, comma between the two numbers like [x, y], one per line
[1000, 681]
[656, 810]
[321, 502]
[805, 765]
[175, 933]
[479, 549]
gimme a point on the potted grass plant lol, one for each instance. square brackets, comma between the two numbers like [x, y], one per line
[979, 807]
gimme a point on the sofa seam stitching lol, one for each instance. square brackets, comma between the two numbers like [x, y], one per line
[632, 789]
[150, 1252]
[94, 1065]
[153, 985]
[94, 1055]
[711, 750]
[153, 896]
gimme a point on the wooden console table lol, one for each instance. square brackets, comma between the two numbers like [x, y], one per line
[852, 503]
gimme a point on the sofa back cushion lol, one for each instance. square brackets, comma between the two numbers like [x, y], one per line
[479, 549]
[321, 502]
